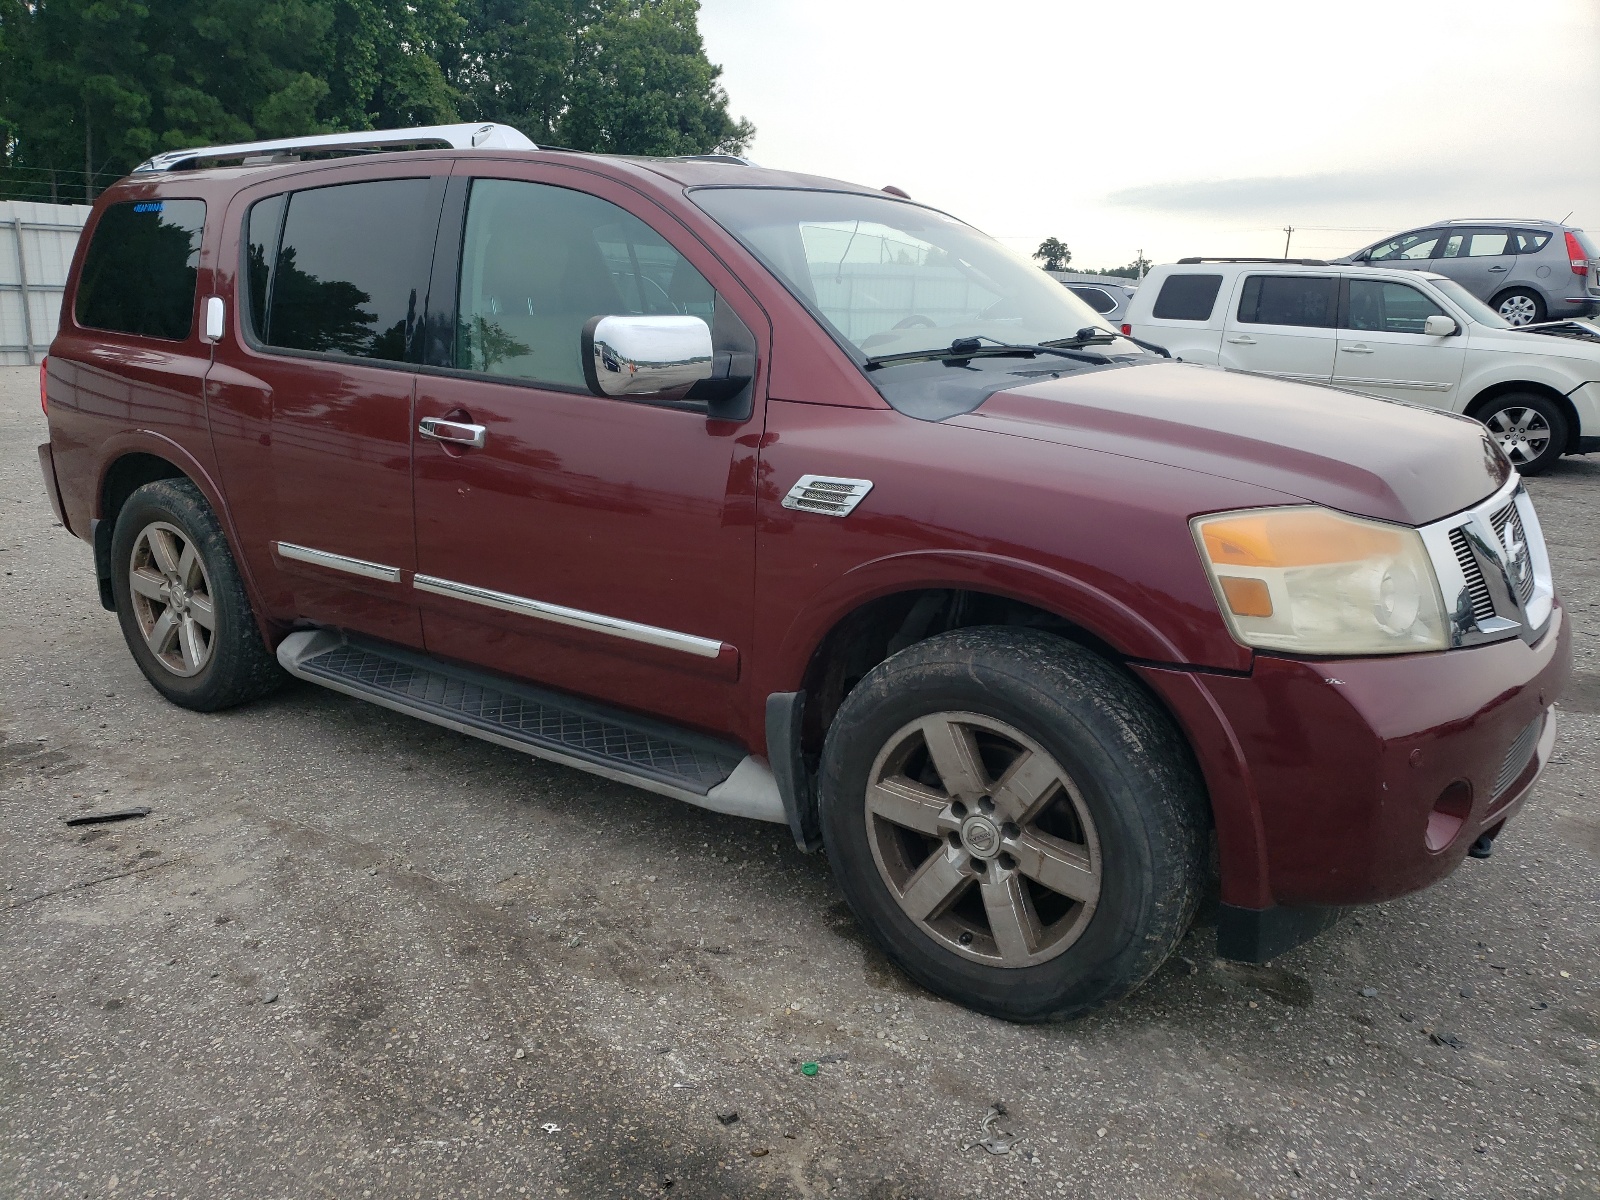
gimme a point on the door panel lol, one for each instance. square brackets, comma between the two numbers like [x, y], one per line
[1477, 259]
[604, 547]
[311, 401]
[1383, 349]
[1283, 325]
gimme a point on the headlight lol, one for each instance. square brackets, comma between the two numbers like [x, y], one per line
[1311, 581]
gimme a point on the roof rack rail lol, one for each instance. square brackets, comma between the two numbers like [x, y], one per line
[428, 137]
[1299, 262]
[722, 158]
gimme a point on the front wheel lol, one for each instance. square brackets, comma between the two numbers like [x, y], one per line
[1530, 429]
[181, 603]
[1014, 822]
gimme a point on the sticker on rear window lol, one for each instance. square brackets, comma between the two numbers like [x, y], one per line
[150, 206]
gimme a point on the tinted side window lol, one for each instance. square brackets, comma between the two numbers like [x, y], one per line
[1528, 241]
[346, 275]
[139, 273]
[1478, 243]
[1390, 307]
[261, 250]
[1306, 300]
[1098, 299]
[1187, 297]
[538, 261]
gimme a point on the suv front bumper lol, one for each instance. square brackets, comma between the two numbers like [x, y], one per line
[1341, 782]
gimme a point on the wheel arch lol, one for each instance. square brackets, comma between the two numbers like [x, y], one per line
[129, 462]
[1494, 391]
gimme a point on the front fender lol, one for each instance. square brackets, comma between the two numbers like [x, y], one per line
[1088, 607]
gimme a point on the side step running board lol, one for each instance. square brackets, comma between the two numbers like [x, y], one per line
[648, 754]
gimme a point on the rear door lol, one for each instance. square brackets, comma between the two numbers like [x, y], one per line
[1283, 325]
[1480, 259]
[602, 546]
[311, 401]
[1383, 349]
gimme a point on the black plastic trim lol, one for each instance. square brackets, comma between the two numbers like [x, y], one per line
[785, 714]
[1258, 935]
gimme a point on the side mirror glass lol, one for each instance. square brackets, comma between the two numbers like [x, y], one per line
[645, 355]
[1438, 326]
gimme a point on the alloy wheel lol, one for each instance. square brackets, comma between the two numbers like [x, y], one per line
[1519, 310]
[1523, 433]
[983, 839]
[172, 600]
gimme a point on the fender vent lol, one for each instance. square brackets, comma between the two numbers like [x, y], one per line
[826, 494]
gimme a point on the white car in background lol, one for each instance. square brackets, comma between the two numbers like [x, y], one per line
[1407, 335]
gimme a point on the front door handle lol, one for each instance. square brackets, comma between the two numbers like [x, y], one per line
[1242, 339]
[1356, 349]
[457, 433]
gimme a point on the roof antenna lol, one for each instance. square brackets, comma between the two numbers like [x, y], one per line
[1563, 220]
[905, 195]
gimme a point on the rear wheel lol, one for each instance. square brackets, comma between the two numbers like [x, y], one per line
[1520, 306]
[181, 603]
[1530, 429]
[1014, 821]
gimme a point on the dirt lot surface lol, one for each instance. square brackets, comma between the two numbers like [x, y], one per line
[350, 954]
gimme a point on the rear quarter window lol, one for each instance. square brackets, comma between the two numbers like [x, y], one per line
[1187, 297]
[139, 271]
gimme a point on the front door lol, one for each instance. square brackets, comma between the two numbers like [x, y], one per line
[1383, 349]
[311, 407]
[599, 546]
[1283, 325]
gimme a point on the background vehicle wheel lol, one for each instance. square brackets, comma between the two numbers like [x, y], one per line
[1014, 822]
[181, 603]
[1520, 307]
[1530, 429]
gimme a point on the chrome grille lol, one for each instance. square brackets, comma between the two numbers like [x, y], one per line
[1477, 589]
[1519, 756]
[1508, 516]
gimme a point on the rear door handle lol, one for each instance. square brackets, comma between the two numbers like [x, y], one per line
[1499, 268]
[457, 433]
[1356, 349]
[1242, 339]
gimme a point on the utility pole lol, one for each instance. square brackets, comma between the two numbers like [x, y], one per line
[1288, 232]
[1141, 264]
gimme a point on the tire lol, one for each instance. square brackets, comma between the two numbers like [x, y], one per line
[171, 570]
[1531, 429]
[1520, 306]
[1116, 821]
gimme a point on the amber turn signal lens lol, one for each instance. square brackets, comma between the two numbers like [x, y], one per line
[1247, 597]
[1295, 538]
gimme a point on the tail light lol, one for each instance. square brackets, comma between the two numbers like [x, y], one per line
[1575, 252]
[1126, 328]
[44, 379]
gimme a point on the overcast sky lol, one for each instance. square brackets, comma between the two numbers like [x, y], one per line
[1180, 127]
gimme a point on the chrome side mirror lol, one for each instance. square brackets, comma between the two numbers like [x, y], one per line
[645, 355]
[1438, 326]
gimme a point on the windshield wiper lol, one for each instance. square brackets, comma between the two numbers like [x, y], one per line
[1089, 335]
[963, 349]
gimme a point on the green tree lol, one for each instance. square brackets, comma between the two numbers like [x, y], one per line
[1053, 253]
[89, 88]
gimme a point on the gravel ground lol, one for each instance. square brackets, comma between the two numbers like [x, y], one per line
[352, 954]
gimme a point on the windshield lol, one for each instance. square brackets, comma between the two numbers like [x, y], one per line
[1475, 309]
[893, 278]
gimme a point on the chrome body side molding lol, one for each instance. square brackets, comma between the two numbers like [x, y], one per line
[633, 631]
[338, 562]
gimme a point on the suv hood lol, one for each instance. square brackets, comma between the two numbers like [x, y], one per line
[1360, 454]
[1558, 339]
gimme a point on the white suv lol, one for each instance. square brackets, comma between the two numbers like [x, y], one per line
[1407, 335]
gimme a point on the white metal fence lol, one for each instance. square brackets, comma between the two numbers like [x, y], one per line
[36, 245]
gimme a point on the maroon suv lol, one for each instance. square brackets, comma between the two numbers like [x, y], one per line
[805, 502]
